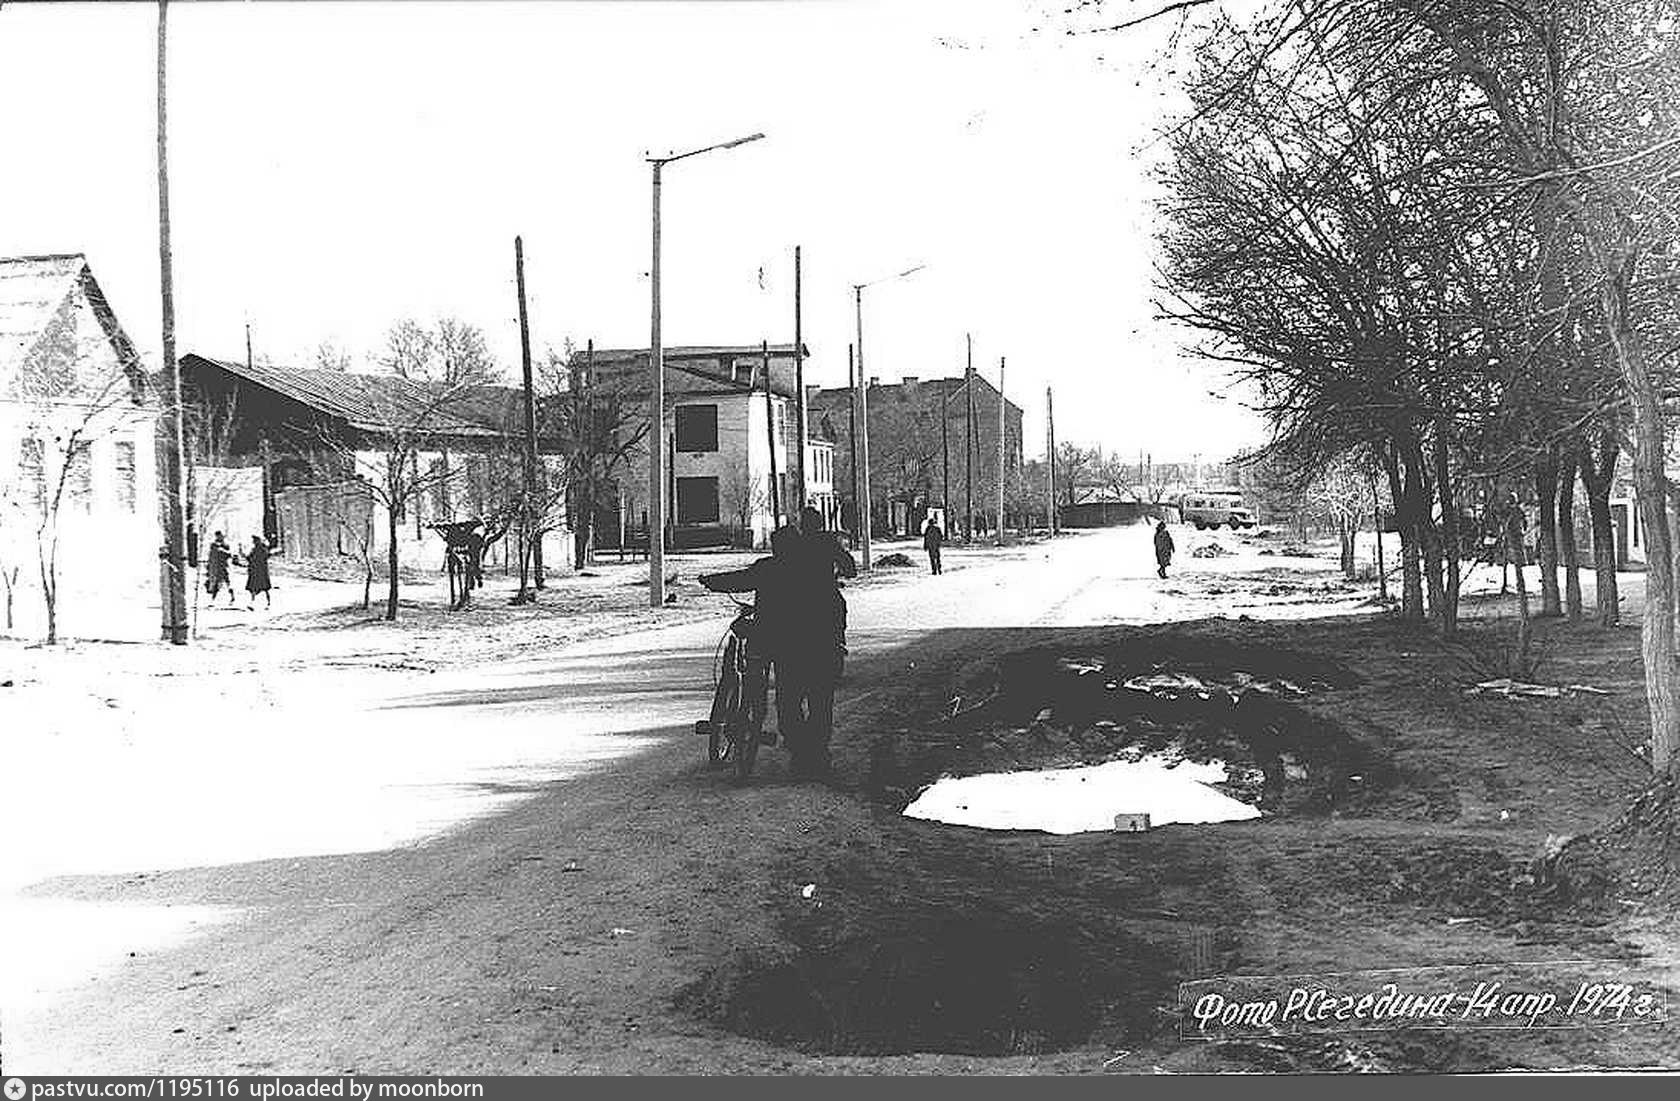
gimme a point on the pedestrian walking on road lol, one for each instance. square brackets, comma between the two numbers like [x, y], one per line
[1163, 548]
[216, 569]
[256, 572]
[932, 540]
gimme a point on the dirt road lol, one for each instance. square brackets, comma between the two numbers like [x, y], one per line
[518, 868]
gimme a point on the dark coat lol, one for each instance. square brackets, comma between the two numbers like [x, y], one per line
[256, 569]
[1163, 545]
[932, 538]
[216, 565]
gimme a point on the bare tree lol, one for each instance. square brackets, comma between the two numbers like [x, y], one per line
[69, 413]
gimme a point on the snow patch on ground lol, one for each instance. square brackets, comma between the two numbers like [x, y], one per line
[1080, 800]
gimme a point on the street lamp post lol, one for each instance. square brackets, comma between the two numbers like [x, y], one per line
[656, 356]
[865, 505]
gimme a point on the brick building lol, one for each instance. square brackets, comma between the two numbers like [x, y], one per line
[920, 436]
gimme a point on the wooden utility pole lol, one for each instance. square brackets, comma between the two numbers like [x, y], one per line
[533, 493]
[770, 425]
[851, 435]
[1050, 448]
[945, 459]
[968, 439]
[171, 437]
[801, 497]
[866, 519]
[1003, 465]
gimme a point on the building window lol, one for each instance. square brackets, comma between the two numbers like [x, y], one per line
[32, 471]
[125, 475]
[781, 424]
[79, 478]
[697, 428]
[697, 500]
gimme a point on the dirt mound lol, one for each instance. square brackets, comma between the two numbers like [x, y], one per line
[895, 560]
[1636, 857]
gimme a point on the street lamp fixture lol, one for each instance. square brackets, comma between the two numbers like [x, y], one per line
[864, 506]
[656, 354]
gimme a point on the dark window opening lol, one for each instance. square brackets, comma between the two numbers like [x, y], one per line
[697, 428]
[697, 500]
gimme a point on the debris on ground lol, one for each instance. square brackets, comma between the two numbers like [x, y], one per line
[897, 559]
[1513, 689]
[1211, 550]
[1164, 685]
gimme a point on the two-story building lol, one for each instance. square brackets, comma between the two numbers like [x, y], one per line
[730, 442]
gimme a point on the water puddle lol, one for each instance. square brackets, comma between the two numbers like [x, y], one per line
[1081, 800]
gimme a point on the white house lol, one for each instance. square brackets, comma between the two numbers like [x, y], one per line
[76, 443]
[729, 439]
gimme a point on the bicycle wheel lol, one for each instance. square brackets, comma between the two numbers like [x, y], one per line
[726, 701]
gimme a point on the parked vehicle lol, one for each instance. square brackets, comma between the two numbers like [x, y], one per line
[1213, 509]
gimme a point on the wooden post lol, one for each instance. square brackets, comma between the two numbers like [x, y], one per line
[801, 494]
[770, 426]
[1050, 445]
[533, 501]
[968, 438]
[171, 441]
[1003, 465]
[851, 435]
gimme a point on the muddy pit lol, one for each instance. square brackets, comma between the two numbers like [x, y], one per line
[1245, 711]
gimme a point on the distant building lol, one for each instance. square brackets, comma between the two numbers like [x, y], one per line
[918, 447]
[76, 413]
[730, 444]
[306, 436]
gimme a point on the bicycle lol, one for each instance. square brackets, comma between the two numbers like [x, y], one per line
[739, 700]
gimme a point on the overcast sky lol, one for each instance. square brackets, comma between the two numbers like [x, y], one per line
[335, 167]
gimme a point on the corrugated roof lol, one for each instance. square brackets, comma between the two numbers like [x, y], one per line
[374, 403]
[32, 288]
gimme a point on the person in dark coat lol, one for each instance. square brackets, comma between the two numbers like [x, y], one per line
[216, 569]
[771, 581]
[815, 657]
[932, 540]
[256, 572]
[1163, 548]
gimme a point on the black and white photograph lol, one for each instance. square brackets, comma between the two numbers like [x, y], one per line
[552, 538]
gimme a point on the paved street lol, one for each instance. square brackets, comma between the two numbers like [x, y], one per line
[200, 882]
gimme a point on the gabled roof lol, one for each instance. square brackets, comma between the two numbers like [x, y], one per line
[374, 403]
[33, 291]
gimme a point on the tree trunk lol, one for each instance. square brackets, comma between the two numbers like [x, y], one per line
[11, 575]
[1451, 552]
[367, 582]
[1348, 570]
[1662, 674]
[1568, 463]
[47, 558]
[394, 519]
[1419, 495]
[1545, 495]
[1598, 474]
[1411, 578]
[1519, 666]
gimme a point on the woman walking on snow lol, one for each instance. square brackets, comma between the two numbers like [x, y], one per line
[1163, 548]
[256, 572]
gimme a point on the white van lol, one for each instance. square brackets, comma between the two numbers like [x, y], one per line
[1212, 510]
